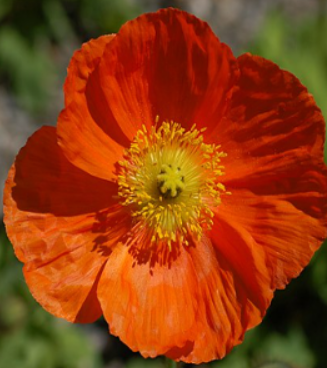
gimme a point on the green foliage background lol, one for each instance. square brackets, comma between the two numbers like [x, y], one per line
[35, 36]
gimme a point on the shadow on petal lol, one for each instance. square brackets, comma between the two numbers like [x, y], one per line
[46, 182]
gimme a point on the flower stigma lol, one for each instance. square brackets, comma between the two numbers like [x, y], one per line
[169, 179]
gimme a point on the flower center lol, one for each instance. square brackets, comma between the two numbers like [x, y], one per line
[169, 179]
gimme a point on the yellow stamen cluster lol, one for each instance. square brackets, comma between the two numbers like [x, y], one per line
[169, 179]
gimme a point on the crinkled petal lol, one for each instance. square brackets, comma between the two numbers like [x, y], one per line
[54, 218]
[283, 230]
[271, 113]
[191, 306]
[231, 299]
[148, 297]
[82, 140]
[167, 64]
[82, 64]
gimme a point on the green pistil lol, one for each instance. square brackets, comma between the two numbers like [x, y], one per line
[170, 181]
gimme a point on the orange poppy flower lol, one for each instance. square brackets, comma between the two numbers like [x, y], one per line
[180, 188]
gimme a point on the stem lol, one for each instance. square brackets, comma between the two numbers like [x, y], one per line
[171, 363]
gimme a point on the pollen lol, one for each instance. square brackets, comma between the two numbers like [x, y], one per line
[169, 180]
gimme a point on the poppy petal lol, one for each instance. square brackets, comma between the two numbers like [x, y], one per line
[167, 64]
[63, 276]
[66, 285]
[82, 64]
[84, 143]
[149, 303]
[284, 230]
[271, 112]
[193, 308]
[231, 299]
[52, 211]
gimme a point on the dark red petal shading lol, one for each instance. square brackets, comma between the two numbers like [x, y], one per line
[271, 113]
[84, 143]
[167, 63]
[53, 213]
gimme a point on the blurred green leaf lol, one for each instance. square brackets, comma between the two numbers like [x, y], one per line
[31, 70]
[107, 16]
[292, 348]
[58, 21]
[5, 7]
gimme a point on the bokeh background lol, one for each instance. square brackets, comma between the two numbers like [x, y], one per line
[37, 39]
